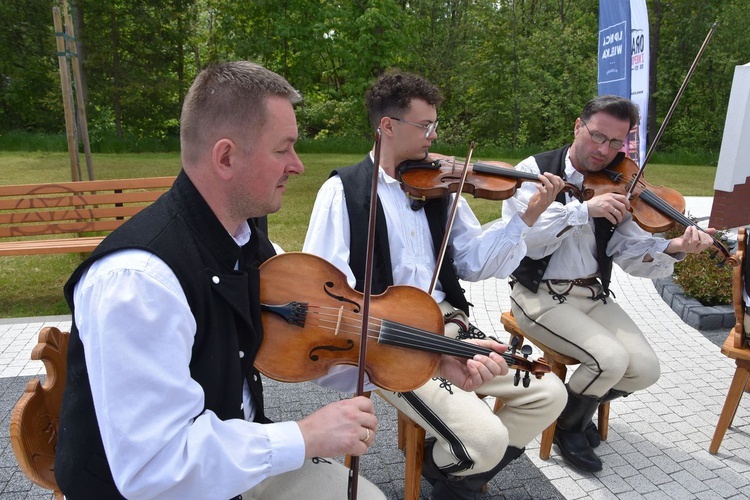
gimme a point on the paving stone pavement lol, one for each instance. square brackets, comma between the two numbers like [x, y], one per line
[658, 438]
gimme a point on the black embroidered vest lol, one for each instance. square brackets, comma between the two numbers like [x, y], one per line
[181, 230]
[357, 182]
[530, 272]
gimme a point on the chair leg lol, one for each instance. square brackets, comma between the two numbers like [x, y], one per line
[403, 421]
[413, 441]
[603, 417]
[548, 435]
[739, 381]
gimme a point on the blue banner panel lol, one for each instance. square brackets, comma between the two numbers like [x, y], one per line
[614, 47]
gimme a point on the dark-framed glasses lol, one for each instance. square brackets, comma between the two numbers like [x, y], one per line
[598, 138]
[428, 129]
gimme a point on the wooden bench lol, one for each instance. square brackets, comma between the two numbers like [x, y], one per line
[70, 217]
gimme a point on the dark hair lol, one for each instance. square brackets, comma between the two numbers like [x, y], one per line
[392, 93]
[228, 98]
[616, 106]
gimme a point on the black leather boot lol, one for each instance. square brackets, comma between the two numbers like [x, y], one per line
[592, 433]
[461, 487]
[570, 434]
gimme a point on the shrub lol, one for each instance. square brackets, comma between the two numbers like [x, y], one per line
[702, 276]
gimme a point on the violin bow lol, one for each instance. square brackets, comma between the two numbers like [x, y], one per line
[651, 149]
[671, 109]
[451, 218]
[367, 293]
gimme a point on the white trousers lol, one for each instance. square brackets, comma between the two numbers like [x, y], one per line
[317, 479]
[613, 351]
[471, 438]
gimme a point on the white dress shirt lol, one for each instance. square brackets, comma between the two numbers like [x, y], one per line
[477, 254]
[567, 232]
[138, 331]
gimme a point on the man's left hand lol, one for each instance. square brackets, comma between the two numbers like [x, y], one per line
[470, 374]
[693, 240]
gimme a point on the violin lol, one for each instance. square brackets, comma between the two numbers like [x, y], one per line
[314, 322]
[655, 208]
[441, 175]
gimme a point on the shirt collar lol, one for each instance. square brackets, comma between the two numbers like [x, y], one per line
[572, 175]
[242, 236]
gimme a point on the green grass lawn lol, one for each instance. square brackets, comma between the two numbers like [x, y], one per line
[32, 285]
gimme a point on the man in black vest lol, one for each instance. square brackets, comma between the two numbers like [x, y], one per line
[560, 292]
[162, 399]
[471, 442]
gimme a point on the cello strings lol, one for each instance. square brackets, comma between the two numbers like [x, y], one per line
[404, 335]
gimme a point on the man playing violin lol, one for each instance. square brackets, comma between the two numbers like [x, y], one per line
[560, 293]
[471, 443]
[162, 399]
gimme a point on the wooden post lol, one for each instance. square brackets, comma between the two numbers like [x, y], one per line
[83, 127]
[67, 94]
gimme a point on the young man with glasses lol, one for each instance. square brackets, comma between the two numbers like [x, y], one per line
[471, 443]
[560, 293]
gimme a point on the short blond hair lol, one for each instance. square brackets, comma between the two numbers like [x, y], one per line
[228, 99]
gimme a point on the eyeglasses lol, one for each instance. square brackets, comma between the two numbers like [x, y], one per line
[428, 129]
[598, 138]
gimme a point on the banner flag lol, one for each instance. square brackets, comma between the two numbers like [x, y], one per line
[614, 47]
[639, 77]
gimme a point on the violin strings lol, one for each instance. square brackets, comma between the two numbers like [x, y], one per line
[667, 209]
[664, 207]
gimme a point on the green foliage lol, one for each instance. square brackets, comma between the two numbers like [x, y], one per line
[514, 74]
[702, 277]
[29, 82]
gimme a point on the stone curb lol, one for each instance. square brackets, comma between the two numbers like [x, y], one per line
[691, 311]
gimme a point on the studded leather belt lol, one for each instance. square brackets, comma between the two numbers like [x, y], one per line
[578, 282]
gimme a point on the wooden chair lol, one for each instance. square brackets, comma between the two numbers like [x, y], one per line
[559, 365]
[735, 346]
[35, 417]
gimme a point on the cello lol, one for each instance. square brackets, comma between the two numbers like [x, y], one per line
[314, 322]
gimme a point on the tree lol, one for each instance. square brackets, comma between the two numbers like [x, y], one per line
[29, 81]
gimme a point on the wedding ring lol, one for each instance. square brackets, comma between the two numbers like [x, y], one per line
[367, 436]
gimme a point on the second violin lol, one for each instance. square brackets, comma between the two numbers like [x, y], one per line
[440, 175]
[655, 208]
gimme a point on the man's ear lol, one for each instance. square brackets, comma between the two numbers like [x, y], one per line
[223, 156]
[386, 125]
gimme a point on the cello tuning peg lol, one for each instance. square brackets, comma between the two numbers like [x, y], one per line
[526, 380]
[514, 345]
[517, 378]
[526, 350]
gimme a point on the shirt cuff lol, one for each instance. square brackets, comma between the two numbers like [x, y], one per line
[665, 257]
[578, 213]
[516, 230]
[287, 445]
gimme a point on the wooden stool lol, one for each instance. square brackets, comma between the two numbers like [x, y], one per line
[559, 365]
[735, 346]
[740, 380]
